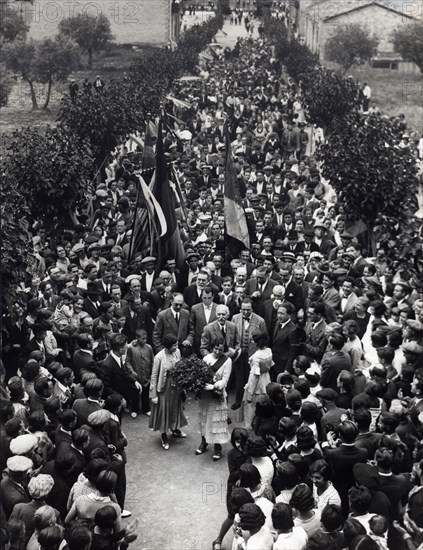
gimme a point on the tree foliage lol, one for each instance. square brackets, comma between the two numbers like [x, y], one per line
[12, 26]
[408, 42]
[106, 118]
[328, 97]
[15, 257]
[19, 58]
[351, 45]
[52, 172]
[92, 33]
[6, 84]
[375, 180]
[54, 61]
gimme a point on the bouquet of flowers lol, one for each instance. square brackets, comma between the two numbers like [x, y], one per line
[191, 374]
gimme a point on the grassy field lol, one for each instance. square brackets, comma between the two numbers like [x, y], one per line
[109, 64]
[394, 93]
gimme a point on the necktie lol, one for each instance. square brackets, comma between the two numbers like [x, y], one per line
[177, 318]
[222, 329]
[121, 363]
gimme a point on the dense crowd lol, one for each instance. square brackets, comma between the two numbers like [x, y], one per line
[320, 344]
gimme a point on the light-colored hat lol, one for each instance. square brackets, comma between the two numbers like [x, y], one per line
[19, 463]
[40, 486]
[23, 444]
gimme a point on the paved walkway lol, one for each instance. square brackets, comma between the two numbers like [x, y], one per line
[179, 498]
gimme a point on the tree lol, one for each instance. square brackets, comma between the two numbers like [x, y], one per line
[374, 179]
[351, 45]
[6, 84]
[19, 57]
[55, 59]
[15, 255]
[91, 33]
[408, 42]
[52, 171]
[327, 97]
[12, 26]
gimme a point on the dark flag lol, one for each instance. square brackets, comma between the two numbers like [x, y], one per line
[237, 236]
[169, 244]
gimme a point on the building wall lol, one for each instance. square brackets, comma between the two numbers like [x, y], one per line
[132, 21]
[379, 21]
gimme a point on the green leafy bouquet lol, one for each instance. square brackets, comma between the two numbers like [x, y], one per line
[191, 374]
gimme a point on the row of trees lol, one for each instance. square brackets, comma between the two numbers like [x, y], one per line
[47, 174]
[352, 44]
[375, 180]
[52, 59]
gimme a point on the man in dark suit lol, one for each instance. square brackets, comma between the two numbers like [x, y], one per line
[334, 362]
[270, 308]
[259, 288]
[13, 485]
[83, 360]
[201, 315]
[93, 389]
[157, 297]
[315, 331]
[284, 340]
[174, 321]
[137, 316]
[343, 459]
[293, 291]
[220, 328]
[92, 299]
[117, 378]
[120, 236]
[193, 293]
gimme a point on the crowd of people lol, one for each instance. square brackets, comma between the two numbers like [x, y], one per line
[319, 343]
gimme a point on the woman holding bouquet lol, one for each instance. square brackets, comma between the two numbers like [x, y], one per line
[167, 411]
[213, 414]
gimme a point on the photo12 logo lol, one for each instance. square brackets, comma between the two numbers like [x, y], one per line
[53, 12]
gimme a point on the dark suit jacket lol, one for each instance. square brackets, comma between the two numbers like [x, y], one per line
[115, 378]
[83, 408]
[166, 325]
[83, 361]
[191, 296]
[212, 331]
[251, 286]
[316, 341]
[270, 316]
[342, 461]
[198, 320]
[91, 309]
[141, 320]
[284, 346]
[333, 363]
[11, 494]
[294, 294]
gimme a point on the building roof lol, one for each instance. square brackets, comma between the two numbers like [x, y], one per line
[366, 5]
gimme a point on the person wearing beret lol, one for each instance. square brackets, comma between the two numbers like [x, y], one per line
[13, 487]
[39, 488]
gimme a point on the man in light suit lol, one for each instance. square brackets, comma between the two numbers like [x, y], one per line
[247, 324]
[348, 297]
[220, 327]
[259, 288]
[201, 315]
[284, 340]
[176, 322]
[315, 330]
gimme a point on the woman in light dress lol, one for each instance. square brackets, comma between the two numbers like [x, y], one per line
[213, 413]
[260, 364]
